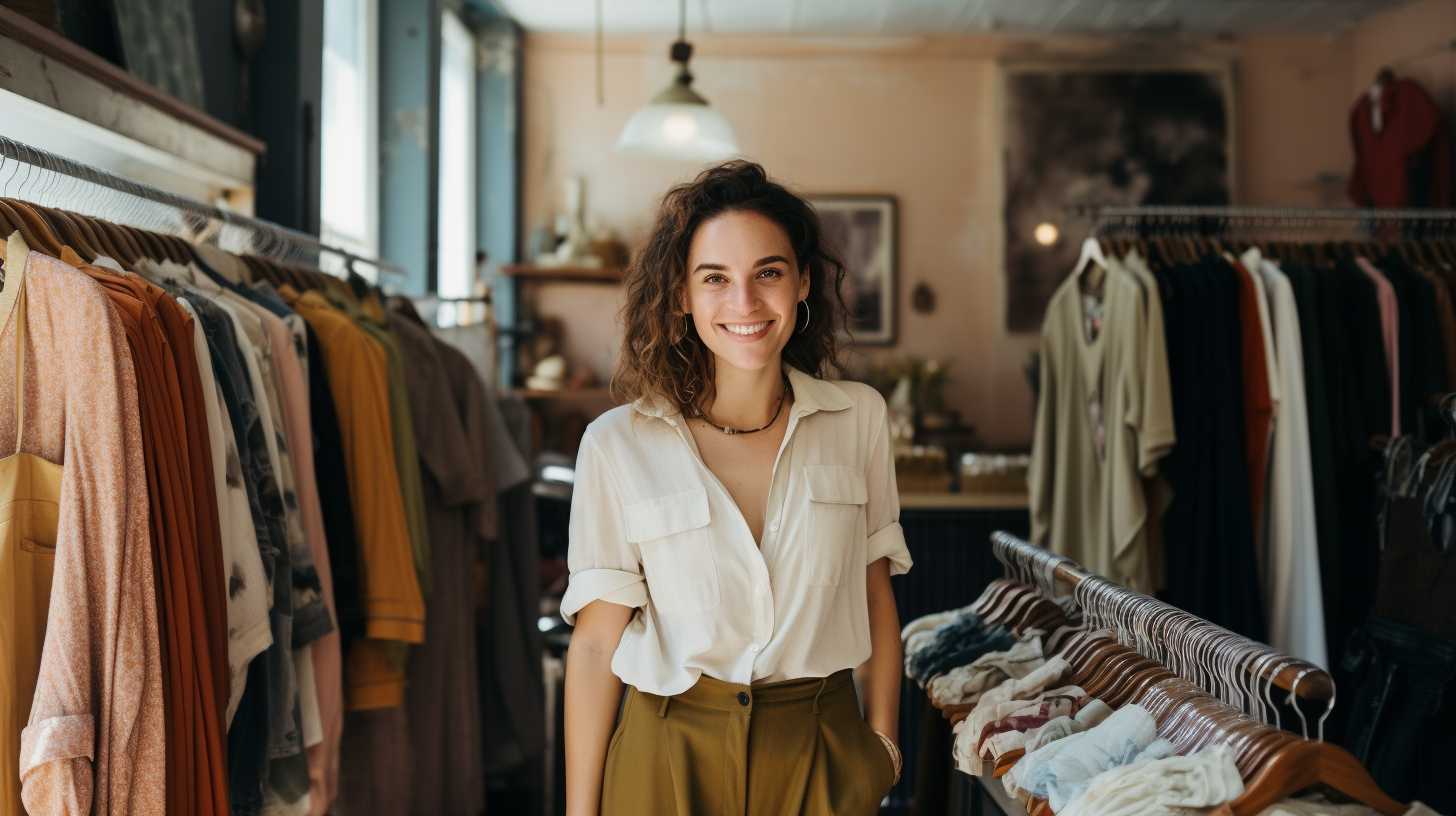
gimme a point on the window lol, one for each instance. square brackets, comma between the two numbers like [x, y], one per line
[349, 168]
[456, 248]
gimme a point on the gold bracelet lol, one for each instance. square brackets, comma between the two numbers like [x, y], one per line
[895, 758]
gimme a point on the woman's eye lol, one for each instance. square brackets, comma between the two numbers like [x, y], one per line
[715, 279]
[772, 273]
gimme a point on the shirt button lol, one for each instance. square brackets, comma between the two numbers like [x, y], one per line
[773, 528]
[762, 590]
[753, 647]
[743, 698]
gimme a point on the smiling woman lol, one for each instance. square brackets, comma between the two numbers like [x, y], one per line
[666, 353]
[733, 531]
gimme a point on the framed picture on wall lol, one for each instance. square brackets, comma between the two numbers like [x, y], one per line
[862, 229]
[1098, 133]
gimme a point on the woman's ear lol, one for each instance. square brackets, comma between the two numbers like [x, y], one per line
[803, 283]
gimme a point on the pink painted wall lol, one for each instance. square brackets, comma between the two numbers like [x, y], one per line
[917, 118]
[1293, 97]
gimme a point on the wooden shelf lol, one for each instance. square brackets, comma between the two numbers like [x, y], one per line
[584, 274]
[50, 45]
[562, 393]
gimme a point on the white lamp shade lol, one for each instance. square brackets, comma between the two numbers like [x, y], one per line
[677, 131]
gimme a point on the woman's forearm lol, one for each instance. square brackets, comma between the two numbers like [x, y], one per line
[879, 677]
[593, 694]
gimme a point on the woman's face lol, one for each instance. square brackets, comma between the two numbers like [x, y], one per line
[744, 288]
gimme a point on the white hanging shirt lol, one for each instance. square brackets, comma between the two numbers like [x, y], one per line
[653, 529]
[1293, 600]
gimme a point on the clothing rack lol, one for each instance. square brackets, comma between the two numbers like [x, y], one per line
[1318, 223]
[135, 203]
[1031, 564]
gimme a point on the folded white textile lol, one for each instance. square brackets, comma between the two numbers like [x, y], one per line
[968, 732]
[966, 684]
[1155, 786]
[1029, 687]
[1053, 770]
[1031, 739]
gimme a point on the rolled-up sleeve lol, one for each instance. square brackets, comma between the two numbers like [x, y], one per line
[604, 565]
[882, 512]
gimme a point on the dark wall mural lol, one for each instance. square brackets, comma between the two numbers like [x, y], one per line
[1088, 136]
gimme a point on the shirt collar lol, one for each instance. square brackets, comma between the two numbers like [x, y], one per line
[811, 394]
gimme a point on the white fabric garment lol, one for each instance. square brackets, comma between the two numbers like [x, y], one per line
[968, 731]
[1052, 706]
[653, 529]
[1053, 770]
[249, 630]
[1316, 804]
[1156, 786]
[1293, 600]
[966, 684]
[1019, 688]
[1091, 715]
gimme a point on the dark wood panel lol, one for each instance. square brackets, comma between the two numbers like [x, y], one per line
[953, 563]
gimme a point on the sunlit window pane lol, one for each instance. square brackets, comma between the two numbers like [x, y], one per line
[457, 159]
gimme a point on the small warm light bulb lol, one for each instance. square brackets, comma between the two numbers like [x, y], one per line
[1046, 234]
[680, 128]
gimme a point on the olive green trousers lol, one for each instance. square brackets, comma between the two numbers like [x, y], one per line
[798, 748]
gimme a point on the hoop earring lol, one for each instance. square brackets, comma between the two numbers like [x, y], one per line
[806, 316]
[687, 319]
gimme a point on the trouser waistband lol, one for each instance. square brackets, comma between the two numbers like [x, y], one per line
[710, 692]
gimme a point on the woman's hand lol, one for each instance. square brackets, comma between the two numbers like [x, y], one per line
[593, 696]
[879, 677]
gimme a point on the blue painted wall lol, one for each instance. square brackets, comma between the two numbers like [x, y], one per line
[409, 84]
[498, 89]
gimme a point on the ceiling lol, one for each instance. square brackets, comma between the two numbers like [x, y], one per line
[944, 16]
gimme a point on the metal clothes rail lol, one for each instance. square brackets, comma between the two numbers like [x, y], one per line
[1298, 223]
[1029, 563]
[146, 207]
[1239, 212]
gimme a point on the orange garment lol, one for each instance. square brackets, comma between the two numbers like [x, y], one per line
[1258, 405]
[95, 743]
[196, 763]
[394, 608]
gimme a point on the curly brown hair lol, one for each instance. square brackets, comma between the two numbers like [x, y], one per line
[662, 356]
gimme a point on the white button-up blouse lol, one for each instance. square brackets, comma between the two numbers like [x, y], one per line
[653, 529]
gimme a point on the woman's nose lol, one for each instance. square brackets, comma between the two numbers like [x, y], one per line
[746, 298]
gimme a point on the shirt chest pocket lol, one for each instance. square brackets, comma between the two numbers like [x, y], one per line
[837, 497]
[671, 532]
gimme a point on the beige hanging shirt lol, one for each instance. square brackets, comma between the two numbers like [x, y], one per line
[1104, 419]
[95, 740]
[653, 529]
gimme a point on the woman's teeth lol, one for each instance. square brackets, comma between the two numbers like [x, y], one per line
[746, 330]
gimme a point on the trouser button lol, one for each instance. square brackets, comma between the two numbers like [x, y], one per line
[743, 698]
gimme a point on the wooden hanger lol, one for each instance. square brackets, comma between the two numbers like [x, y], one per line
[78, 234]
[100, 238]
[25, 223]
[128, 253]
[151, 248]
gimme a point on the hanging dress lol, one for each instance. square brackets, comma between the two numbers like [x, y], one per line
[30, 496]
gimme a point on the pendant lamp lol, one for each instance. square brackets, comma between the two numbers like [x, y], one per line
[678, 123]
